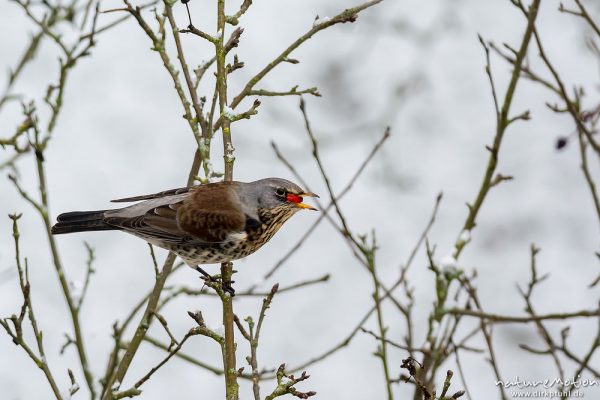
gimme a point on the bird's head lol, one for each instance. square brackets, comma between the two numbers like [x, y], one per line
[280, 195]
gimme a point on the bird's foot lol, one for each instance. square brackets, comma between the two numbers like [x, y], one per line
[227, 288]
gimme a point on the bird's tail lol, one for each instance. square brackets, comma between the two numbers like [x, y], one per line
[81, 221]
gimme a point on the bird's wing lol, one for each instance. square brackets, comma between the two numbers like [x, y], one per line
[208, 215]
[152, 222]
[154, 195]
[212, 213]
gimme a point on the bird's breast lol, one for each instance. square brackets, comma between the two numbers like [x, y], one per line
[236, 245]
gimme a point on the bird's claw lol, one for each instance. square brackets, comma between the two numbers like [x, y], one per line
[227, 288]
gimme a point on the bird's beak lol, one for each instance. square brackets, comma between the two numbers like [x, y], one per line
[307, 206]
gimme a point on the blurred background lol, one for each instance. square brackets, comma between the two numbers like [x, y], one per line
[416, 66]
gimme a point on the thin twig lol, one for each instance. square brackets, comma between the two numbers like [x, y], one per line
[325, 210]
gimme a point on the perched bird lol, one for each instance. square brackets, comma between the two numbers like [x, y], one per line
[204, 224]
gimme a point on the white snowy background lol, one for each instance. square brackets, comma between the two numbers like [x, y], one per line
[416, 66]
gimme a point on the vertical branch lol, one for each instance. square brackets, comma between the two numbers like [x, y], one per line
[39, 147]
[527, 295]
[203, 153]
[253, 338]
[572, 107]
[229, 361]
[228, 156]
[141, 329]
[16, 333]
[158, 45]
[28, 55]
[503, 122]
[382, 350]
[586, 173]
[70, 54]
[144, 324]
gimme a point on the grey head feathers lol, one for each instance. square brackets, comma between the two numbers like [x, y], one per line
[267, 193]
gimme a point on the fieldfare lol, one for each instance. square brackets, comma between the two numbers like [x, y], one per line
[204, 224]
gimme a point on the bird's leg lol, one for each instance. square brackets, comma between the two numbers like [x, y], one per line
[205, 274]
[226, 286]
[190, 26]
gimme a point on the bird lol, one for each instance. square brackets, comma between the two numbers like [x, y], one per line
[203, 224]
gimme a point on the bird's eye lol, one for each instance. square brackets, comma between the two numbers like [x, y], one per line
[280, 192]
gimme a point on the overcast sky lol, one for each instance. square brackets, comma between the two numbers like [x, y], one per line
[416, 66]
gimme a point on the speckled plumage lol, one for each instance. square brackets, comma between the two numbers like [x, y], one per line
[203, 224]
